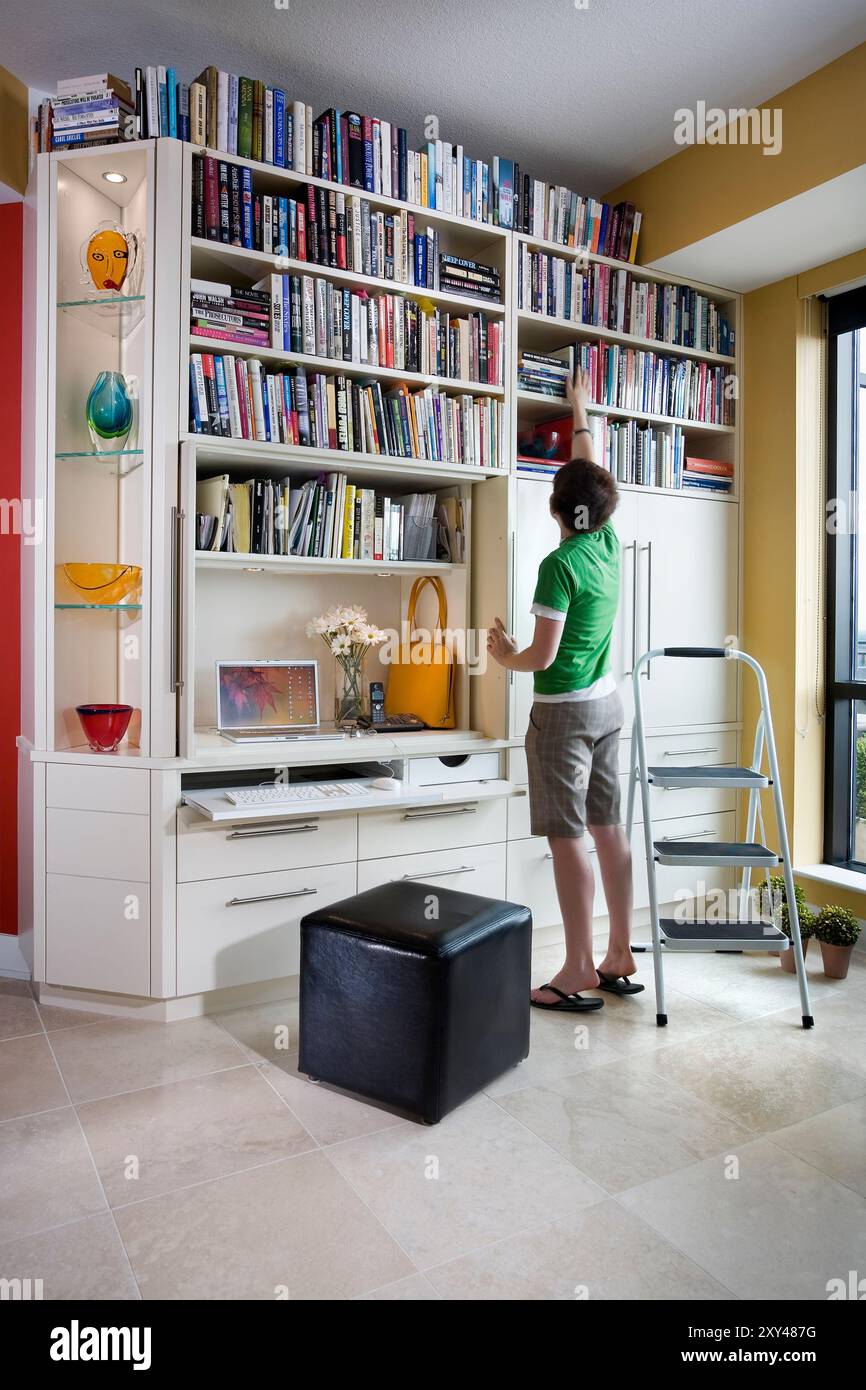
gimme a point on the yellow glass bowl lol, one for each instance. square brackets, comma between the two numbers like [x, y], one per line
[97, 583]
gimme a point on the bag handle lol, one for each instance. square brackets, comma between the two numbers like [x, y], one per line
[414, 596]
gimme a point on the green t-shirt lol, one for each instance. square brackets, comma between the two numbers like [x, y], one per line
[579, 579]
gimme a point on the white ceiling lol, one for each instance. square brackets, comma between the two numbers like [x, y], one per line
[815, 227]
[586, 97]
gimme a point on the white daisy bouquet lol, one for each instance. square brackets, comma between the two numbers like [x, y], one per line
[348, 634]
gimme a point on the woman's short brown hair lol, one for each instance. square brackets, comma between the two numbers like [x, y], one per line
[584, 495]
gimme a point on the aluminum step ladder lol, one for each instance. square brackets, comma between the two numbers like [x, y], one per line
[745, 932]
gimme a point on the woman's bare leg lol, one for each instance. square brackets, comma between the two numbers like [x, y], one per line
[614, 861]
[575, 889]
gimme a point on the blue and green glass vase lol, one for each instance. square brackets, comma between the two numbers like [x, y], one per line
[109, 412]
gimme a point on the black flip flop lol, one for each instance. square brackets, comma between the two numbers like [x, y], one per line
[569, 1003]
[618, 984]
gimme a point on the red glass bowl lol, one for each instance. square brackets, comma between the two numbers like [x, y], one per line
[104, 725]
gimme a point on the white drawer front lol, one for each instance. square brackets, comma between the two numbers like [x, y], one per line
[97, 934]
[431, 827]
[463, 767]
[235, 931]
[120, 789]
[680, 750]
[97, 844]
[205, 850]
[479, 869]
[518, 818]
[530, 881]
[517, 766]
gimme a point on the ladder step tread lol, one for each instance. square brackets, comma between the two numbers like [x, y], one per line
[713, 852]
[706, 777]
[736, 936]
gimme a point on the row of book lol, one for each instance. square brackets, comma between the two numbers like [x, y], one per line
[325, 517]
[607, 297]
[633, 379]
[550, 212]
[646, 455]
[238, 398]
[311, 315]
[86, 111]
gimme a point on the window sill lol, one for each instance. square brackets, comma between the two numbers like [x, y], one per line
[851, 879]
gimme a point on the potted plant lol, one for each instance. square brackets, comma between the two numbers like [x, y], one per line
[777, 909]
[838, 930]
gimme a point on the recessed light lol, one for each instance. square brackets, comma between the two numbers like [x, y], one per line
[112, 177]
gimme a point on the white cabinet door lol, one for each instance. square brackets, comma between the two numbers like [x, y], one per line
[537, 535]
[688, 580]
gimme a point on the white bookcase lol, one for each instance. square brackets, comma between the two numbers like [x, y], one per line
[132, 898]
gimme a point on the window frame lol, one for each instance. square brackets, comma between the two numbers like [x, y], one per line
[847, 312]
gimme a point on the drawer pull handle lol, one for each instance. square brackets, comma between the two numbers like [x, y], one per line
[438, 815]
[442, 873]
[684, 752]
[692, 835]
[275, 830]
[272, 897]
[548, 855]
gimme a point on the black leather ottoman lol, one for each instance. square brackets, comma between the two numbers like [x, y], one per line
[414, 1010]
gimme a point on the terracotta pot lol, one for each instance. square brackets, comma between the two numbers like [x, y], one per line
[787, 957]
[836, 960]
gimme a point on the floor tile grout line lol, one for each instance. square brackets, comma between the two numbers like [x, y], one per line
[378, 1219]
[155, 1085]
[674, 1246]
[392, 1283]
[96, 1171]
[216, 1177]
[295, 1116]
[809, 1164]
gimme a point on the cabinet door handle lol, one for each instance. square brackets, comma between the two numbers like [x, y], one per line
[685, 752]
[274, 830]
[272, 897]
[175, 683]
[441, 873]
[440, 815]
[626, 548]
[649, 602]
[548, 855]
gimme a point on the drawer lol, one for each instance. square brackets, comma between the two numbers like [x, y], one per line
[97, 844]
[458, 767]
[236, 931]
[97, 934]
[432, 827]
[122, 790]
[517, 766]
[479, 869]
[206, 850]
[678, 750]
[529, 880]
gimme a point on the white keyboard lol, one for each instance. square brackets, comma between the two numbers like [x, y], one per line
[281, 795]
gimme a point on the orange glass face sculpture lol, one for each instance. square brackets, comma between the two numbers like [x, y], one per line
[108, 259]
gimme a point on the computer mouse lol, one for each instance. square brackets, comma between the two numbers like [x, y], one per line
[386, 784]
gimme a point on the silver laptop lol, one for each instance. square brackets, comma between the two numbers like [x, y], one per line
[270, 702]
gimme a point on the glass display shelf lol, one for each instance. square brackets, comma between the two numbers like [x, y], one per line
[119, 461]
[102, 607]
[116, 315]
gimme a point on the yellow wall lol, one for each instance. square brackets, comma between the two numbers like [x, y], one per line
[14, 122]
[704, 188]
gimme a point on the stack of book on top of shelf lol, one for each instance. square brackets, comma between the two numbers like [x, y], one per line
[708, 475]
[87, 111]
[229, 312]
[544, 374]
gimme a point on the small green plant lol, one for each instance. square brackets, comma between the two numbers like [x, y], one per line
[776, 906]
[837, 926]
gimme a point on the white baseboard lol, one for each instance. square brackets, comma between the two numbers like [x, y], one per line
[13, 966]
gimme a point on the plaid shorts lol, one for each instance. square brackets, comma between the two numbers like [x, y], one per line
[572, 756]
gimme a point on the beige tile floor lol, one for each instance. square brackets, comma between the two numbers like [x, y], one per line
[724, 1156]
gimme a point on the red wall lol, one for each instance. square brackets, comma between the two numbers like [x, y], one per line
[10, 486]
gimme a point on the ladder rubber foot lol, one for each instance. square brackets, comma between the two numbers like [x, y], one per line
[661, 1020]
[637, 950]
[808, 1021]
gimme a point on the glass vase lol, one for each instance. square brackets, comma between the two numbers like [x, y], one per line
[109, 412]
[348, 690]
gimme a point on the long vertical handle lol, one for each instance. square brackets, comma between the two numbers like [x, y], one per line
[649, 602]
[175, 684]
[626, 548]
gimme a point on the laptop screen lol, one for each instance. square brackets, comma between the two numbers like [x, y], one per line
[267, 694]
